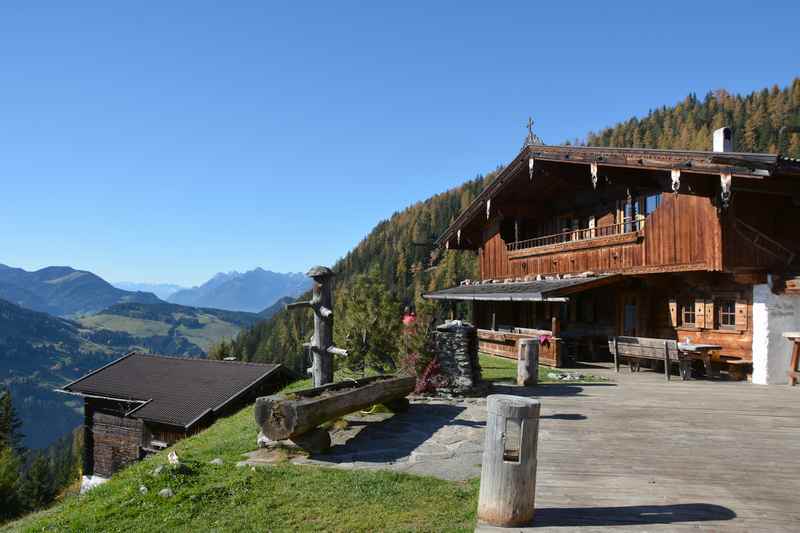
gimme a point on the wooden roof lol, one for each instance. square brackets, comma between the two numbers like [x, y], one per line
[172, 390]
[555, 289]
[753, 167]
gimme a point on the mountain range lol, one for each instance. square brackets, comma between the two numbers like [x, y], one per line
[251, 291]
[162, 290]
[64, 291]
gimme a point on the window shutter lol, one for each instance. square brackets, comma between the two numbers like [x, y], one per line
[710, 314]
[673, 312]
[741, 315]
[699, 314]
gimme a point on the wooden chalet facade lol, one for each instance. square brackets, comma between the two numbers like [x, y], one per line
[658, 243]
[140, 404]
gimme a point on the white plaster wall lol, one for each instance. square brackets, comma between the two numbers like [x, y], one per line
[773, 314]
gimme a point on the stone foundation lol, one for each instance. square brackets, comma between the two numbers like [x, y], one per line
[456, 347]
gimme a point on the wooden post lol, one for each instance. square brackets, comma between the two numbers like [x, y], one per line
[527, 361]
[555, 332]
[666, 360]
[508, 470]
[616, 356]
[321, 344]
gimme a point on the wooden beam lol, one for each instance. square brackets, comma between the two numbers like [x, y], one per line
[284, 416]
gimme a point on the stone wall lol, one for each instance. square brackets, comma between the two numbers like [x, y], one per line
[456, 347]
[773, 315]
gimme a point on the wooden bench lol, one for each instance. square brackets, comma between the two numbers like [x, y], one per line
[634, 349]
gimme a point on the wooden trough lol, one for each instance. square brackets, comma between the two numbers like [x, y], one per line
[294, 415]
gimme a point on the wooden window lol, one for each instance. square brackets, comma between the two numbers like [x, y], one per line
[651, 203]
[687, 314]
[726, 314]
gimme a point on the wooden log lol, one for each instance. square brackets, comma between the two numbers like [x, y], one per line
[284, 416]
[508, 469]
[528, 362]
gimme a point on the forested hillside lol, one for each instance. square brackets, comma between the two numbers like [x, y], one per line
[397, 249]
[756, 120]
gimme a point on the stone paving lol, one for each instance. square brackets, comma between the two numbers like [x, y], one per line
[633, 454]
[435, 437]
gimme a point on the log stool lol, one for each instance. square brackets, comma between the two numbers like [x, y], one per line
[794, 369]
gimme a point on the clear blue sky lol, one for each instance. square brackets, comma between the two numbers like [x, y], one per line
[166, 141]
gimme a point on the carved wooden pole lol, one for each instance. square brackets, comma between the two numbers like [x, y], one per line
[321, 345]
[508, 469]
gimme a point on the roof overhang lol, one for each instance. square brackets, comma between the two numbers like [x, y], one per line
[545, 290]
[751, 167]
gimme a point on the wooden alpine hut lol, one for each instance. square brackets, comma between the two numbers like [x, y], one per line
[578, 244]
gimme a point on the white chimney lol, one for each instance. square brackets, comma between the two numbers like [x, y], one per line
[723, 140]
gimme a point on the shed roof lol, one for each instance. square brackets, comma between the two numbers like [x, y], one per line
[526, 291]
[172, 390]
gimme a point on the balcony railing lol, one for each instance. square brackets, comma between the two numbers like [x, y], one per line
[627, 226]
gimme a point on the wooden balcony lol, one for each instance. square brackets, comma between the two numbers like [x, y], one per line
[628, 231]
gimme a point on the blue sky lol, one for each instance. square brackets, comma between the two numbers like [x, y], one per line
[167, 141]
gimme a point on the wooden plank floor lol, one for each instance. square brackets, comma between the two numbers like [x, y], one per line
[640, 454]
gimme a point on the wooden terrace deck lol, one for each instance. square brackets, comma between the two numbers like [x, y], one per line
[640, 454]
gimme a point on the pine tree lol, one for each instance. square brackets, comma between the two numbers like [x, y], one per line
[368, 322]
[10, 506]
[10, 425]
[38, 489]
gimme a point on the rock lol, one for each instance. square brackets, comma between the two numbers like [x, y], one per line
[166, 493]
[216, 461]
[142, 489]
[90, 482]
[553, 375]
[157, 470]
[263, 441]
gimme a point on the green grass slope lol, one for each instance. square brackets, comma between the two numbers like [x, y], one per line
[279, 498]
[171, 329]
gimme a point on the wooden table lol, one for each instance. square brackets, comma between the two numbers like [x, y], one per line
[691, 351]
[794, 370]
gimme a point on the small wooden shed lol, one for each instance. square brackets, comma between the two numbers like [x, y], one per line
[143, 403]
